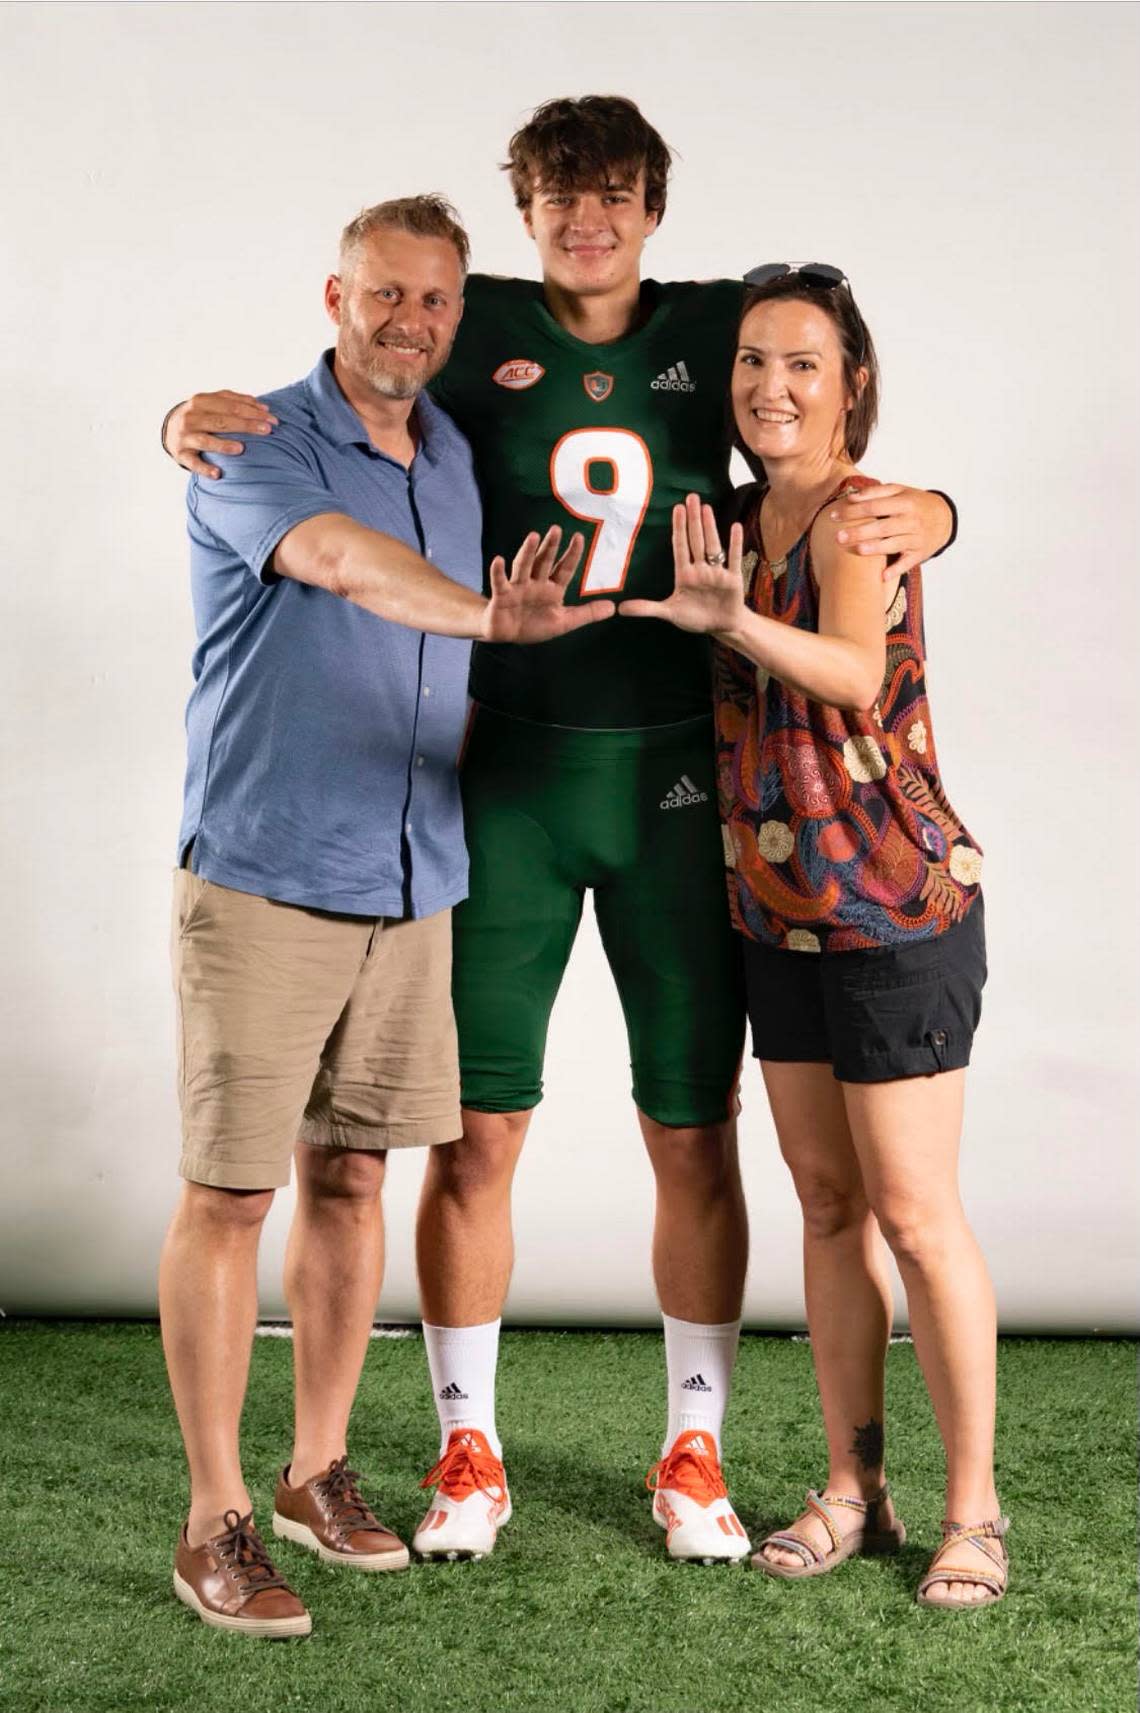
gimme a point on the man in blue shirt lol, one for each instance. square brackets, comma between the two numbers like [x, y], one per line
[336, 578]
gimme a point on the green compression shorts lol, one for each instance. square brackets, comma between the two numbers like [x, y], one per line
[551, 811]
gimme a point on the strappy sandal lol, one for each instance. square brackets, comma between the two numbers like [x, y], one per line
[989, 1540]
[868, 1541]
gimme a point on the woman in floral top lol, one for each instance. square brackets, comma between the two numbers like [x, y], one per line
[855, 888]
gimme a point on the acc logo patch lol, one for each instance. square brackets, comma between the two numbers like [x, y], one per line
[598, 386]
[518, 374]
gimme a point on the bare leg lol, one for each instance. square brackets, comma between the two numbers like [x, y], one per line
[906, 1134]
[334, 1264]
[464, 1241]
[700, 1232]
[464, 1254]
[846, 1285]
[207, 1289]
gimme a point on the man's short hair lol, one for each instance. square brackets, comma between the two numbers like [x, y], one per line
[586, 144]
[430, 216]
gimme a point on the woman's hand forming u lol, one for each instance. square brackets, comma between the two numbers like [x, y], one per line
[708, 588]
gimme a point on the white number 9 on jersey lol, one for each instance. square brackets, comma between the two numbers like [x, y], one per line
[616, 510]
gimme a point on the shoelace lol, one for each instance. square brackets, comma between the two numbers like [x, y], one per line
[467, 1466]
[694, 1473]
[242, 1550]
[338, 1486]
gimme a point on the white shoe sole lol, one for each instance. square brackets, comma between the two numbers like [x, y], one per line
[452, 1555]
[268, 1627]
[445, 1554]
[708, 1558]
[736, 1556]
[288, 1530]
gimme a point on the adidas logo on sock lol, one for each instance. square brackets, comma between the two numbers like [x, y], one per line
[683, 793]
[674, 379]
[452, 1395]
[695, 1383]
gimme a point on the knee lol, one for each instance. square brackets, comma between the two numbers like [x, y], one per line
[916, 1230]
[343, 1182]
[830, 1207]
[223, 1213]
[695, 1162]
[482, 1161]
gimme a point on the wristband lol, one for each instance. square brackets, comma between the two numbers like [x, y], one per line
[181, 402]
[953, 520]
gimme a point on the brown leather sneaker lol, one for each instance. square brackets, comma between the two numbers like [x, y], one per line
[328, 1515]
[230, 1581]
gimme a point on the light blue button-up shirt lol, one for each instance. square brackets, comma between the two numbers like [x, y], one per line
[323, 740]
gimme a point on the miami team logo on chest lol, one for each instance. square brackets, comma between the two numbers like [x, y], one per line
[518, 374]
[598, 386]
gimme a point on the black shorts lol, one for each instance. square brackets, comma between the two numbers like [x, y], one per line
[897, 1011]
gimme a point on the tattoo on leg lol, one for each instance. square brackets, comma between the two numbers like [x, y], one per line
[868, 1446]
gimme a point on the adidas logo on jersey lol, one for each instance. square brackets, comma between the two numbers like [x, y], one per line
[451, 1394]
[695, 1383]
[674, 379]
[683, 794]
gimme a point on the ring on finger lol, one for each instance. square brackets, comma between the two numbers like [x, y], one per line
[716, 558]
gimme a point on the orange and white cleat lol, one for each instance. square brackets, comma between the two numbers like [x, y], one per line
[471, 1501]
[691, 1503]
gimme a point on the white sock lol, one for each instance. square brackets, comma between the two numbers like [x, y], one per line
[462, 1360]
[699, 1361]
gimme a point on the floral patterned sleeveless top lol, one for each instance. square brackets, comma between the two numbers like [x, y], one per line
[838, 834]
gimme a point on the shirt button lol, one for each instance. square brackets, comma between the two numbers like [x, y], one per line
[427, 689]
[419, 761]
[408, 828]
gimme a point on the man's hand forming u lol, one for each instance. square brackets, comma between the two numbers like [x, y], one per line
[528, 603]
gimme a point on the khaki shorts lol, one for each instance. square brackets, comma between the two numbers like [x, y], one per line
[298, 1025]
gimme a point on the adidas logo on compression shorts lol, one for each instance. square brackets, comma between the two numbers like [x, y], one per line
[674, 379]
[451, 1394]
[695, 1383]
[684, 793]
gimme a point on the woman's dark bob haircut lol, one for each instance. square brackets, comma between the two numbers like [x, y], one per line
[855, 342]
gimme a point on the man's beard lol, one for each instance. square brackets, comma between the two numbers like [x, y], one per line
[391, 378]
[395, 383]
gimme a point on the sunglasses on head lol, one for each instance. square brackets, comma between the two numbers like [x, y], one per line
[812, 273]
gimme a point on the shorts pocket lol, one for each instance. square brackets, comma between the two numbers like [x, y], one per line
[904, 1016]
[894, 969]
[910, 1012]
[190, 894]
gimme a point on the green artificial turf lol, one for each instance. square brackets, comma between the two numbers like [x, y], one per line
[578, 1610]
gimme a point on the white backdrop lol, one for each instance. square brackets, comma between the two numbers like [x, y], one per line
[176, 178]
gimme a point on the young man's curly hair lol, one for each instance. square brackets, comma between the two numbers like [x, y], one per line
[586, 144]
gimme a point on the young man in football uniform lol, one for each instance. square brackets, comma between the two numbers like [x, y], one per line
[598, 398]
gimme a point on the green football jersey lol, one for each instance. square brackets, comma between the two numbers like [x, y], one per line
[604, 439]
